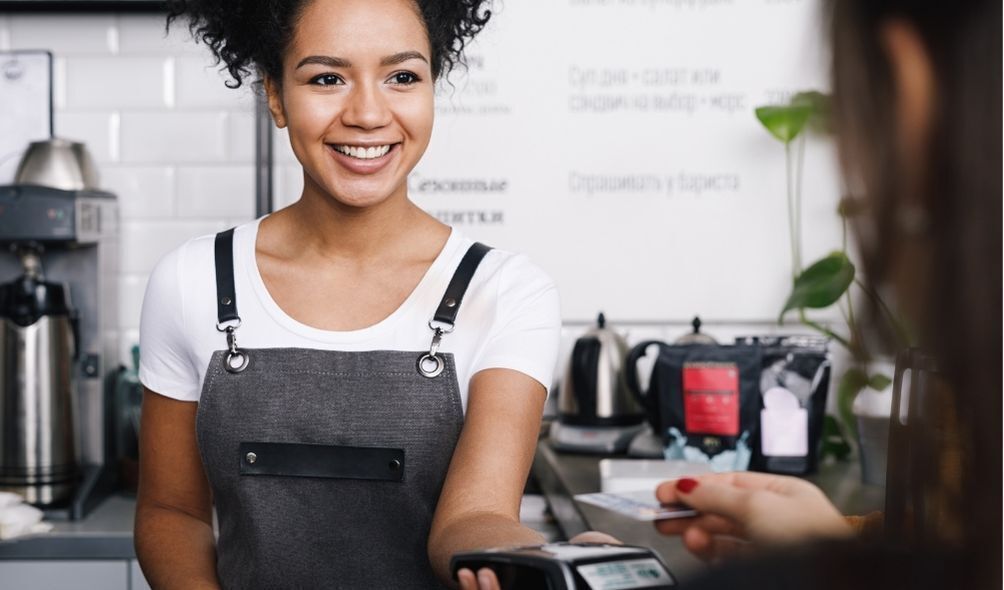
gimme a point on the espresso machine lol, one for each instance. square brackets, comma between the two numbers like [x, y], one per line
[58, 305]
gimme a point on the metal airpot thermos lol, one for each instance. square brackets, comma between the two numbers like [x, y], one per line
[38, 432]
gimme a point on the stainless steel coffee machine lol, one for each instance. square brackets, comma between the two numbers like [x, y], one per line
[58, 300]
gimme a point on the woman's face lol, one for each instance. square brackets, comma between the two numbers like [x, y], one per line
[357, 97]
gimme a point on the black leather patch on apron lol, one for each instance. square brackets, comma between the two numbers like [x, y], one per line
[329, 461]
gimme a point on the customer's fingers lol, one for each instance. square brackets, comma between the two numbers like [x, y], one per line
[595, 537]
[712, 523]
[467, 579]
[487, 580]
[712, 548]
[668, 492]
[711, 495]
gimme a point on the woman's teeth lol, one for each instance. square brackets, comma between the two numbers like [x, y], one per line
[363, 153]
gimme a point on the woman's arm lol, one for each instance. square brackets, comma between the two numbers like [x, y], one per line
[479, 505]
[174, 517]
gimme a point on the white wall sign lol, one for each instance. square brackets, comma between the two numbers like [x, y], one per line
[614, 141]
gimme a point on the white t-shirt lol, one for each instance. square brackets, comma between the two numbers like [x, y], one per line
[509, 317]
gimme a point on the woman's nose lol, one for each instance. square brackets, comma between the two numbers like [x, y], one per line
[367, 108]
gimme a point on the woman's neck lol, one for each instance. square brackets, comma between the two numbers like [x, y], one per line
[321, 225]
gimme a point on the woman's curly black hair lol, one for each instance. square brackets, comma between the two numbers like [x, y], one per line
[251, 36]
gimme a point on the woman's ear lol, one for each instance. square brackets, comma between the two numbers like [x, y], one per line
[914, 86]
[274, 96]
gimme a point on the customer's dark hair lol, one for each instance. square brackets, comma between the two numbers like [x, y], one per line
[945, 233]
[250, 36]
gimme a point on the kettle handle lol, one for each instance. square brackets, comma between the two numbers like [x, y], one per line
[75, 329]
[585, 356]
[631, 370]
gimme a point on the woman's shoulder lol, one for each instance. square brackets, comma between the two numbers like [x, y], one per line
[507, 267]
[511, 284]
[194, 259]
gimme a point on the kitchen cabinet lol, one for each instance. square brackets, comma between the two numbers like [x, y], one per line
[47, 574]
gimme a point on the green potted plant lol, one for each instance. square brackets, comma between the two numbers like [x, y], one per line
[826, 282]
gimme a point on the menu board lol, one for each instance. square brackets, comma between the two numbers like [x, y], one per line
[615, 143]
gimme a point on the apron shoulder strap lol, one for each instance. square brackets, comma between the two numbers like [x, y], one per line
[226, 291]
[446, 313]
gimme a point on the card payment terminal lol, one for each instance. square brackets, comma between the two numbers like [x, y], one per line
[568, 566]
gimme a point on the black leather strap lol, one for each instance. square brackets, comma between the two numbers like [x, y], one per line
[329, 461]
[226, 292]
[446, 313]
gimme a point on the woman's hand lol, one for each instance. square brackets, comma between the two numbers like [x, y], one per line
[738, 511]
[485, 578]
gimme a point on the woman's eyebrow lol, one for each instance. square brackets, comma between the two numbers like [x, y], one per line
[397, 58]
[338, 62]
[324, 60]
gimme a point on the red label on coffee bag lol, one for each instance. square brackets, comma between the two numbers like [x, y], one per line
[711, 398]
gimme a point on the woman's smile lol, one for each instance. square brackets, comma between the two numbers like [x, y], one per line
[364, 159]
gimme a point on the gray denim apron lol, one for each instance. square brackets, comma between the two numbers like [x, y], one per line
[326, 466]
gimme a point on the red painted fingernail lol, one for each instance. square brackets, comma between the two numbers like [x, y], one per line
[686, 485]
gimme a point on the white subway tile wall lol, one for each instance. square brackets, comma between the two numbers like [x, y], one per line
[96, 129]
[169, 138]
[145, 242]
[78, 34]
[174, 143]
[120, 83]
[150, 190]
[215, 191]
[200, 84]
[176, 137]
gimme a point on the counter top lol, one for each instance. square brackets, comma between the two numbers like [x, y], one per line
[563, 475]
[106, 533]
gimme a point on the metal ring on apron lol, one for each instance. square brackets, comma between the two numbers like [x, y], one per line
[234, 353]
[228, 361]
[437, 365]
[433, 355]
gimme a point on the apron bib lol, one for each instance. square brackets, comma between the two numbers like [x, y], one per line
[326, 466]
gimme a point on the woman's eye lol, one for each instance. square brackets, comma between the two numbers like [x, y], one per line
[404, 78]
[326, 80]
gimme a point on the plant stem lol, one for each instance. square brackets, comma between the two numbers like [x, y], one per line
[823, 330]
[792, 238]
[858, 351]
[799, 168]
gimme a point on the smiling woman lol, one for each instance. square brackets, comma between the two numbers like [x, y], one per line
[361, 399]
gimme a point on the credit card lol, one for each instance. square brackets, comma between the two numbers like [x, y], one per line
[640, 505]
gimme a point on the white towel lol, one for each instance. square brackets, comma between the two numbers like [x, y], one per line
[18, 518]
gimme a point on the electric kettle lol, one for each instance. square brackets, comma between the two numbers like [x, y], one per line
[594, 392]
[38, 444]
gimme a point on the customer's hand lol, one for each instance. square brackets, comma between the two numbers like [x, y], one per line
[740, 511]
[485, 578]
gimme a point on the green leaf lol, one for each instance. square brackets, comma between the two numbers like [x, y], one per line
[819, 109]
[851, 383]
[784, 122]
[822, 284]
[879, 382]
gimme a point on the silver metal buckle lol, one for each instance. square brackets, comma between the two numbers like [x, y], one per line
[227, 325]
[431, 364]
[233, 352]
